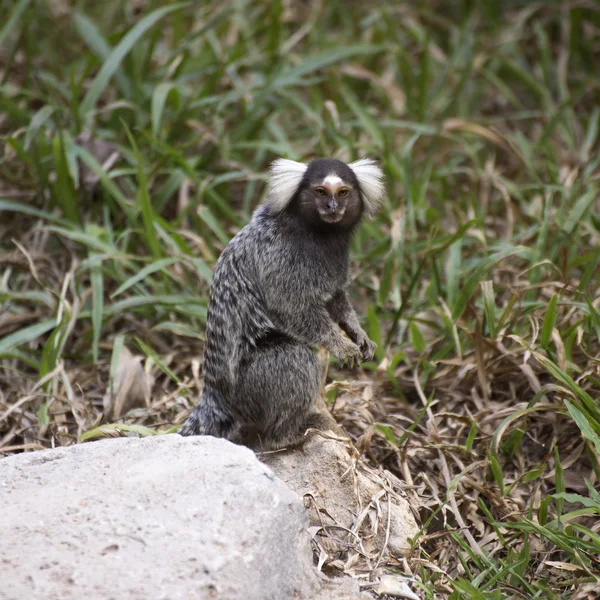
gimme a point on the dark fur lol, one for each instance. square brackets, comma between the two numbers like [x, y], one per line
[278, 292]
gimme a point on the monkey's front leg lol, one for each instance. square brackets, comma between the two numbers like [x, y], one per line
[342, 312]
[313, 325]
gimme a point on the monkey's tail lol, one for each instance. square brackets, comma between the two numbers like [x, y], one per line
[208, 418]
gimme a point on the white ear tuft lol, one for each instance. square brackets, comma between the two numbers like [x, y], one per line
[284, 178]
[370, 180]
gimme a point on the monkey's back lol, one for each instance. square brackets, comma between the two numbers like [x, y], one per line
[237, 316]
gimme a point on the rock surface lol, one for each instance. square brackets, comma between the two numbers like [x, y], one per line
[162, 517]
[348, 501]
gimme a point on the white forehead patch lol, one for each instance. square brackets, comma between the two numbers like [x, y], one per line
[333, 180]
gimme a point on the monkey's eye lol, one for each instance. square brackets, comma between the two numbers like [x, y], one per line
[343, 192]
[320, 191]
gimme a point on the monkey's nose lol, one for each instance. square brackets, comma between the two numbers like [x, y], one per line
[332, 205]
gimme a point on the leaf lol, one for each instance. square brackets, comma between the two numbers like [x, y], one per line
[385, 284]
[209, 218]
[154, 301]
[148, 351]
[20, 151]
[310, 64]
[49, 354]
[592, 132]
[472, 592]
[97, 308]
[64, 189]
[417, 339]
[593, 492]
[202, 268]
[37, 121]
[24, 357]
[534, 474]
[25, 335]
[471, 436]
[180, 329]
[144, 201]
[578, 499]
[88, 240]
[43, 418]
[543, 510]
[453, 271]
[559, 478]
[106, 182]
[489, 301]
[159, 99]
[367, 122]
[116, 430]
[10, 25]
[465, 294]
[554, 537]
[388, 433]
[147, 270]
[411, 286]
[497, 472]
[578, 210]
[586, 400]
[93, 38]
[113, 61]
[26, 209]
[549, 322]
[583, 424]
[375, 332]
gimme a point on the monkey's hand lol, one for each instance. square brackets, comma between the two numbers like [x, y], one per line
[361, 339]
[346, 352]
[367, 346]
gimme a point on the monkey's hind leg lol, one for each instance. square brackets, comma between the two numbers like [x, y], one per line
[208, 418]
[279, 392]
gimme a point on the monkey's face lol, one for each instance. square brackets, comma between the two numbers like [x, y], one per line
[330, 193]
[332, 197]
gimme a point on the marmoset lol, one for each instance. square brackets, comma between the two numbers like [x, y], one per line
[278, 292]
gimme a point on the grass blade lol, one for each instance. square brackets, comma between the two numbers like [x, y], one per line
[25, 335]
[158, 265]
[113, 61]
[64, 190]
[91, 35]
[549, 322]
[584, 425]
[159, 99]
[144, 201]
[97, 308]
[474, 279]
[11, 23]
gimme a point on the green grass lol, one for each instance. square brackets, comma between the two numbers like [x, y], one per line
[135, 144]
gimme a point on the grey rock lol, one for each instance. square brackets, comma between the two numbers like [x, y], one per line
[163, 517]
[345, 495]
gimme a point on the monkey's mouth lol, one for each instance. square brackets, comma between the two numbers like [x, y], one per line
[332, 217]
